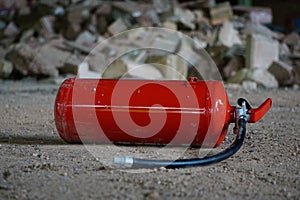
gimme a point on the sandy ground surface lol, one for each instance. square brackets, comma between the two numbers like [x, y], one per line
[36, 164]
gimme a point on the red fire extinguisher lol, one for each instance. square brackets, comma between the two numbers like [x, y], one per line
[148, 112]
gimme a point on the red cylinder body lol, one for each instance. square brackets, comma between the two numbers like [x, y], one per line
[195, 113]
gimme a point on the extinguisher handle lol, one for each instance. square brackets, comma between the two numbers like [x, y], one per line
[256, 114]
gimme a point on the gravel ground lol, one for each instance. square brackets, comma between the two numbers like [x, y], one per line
[36, 164]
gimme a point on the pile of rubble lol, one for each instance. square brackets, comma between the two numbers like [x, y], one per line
[53, 38]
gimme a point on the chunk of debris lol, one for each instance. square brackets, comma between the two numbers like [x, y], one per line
[103, 17]
[115, 70]
[168, 42]
[292, 39]
[260, 76]
[233, 66]
[71, 65]
[85, 72]
[6, 68]
[220, 13]
[170, 25]
[258, 29]
[11, 30]
[37, 61]
[172, 67]
[228, 36]
[262, 15]
[261, 51]
[143, 71]
[185, 17]
[283, 73]
[46, 26]
[117, 27]
[86, 38]
[249, 85]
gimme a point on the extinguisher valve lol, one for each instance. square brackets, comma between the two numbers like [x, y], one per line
[242, 112]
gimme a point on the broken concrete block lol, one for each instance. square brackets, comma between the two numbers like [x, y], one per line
[53, 56]
[86, 38]
[261, 51]
[161, 6]
[76, 19]
[168, 43]
[297, 74]
[71, 31]
[185, 17]
[103, 18]
[172, 67]
[220, 13]
[143, 71]
[292, 39]
[11, 30]
[129, 7]
[78, 47]
[153, 17]
[70, 66]
[198, 15]
[46, 26]
[235, 64]
[101, 24]
[86, 73]
[26, 35]
[258, 29]
[228, 36]
[283, 73]
[117, 27]
[21, 56]
[97, 62]
[263, 78]
[262, 15]
[115, 70]
[77, 14]
[6, 68]
[217, 53]
[199, 44]
[249, 85]
[37, 61]
[176, 68]
[284, 50]
[260, 76]
[29, 62]
[205, 69]
[2, 25]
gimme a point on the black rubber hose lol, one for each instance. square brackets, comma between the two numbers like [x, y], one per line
[182, 163]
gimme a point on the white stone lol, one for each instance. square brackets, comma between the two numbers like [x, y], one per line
[228, 36]
[261, 51]
[84, 72]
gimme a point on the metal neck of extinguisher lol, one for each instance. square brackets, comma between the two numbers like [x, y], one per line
[241, 117]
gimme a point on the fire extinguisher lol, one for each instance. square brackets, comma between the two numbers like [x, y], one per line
[151, 112]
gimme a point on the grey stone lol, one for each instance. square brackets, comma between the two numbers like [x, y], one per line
[186, 17]
[220, 13]
[37, 61]
[260, 76]
[117, 27]
[258, 29]
[115, 70]
[283, 73]
[249, 85]
[6, 68]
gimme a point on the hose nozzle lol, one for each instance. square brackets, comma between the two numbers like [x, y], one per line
[124, 161]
